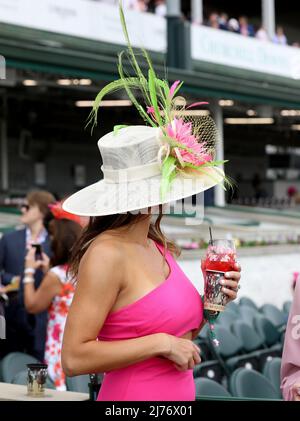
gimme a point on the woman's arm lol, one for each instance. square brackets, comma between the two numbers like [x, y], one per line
[99, 282]
[38, 300]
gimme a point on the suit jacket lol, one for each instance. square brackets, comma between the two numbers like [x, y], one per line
[12, 256]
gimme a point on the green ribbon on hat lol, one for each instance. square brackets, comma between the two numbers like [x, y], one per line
[211, 319]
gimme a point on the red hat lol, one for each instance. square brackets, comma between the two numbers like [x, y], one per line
[59, 213]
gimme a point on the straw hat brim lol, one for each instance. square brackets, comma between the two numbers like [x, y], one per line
[104, 198]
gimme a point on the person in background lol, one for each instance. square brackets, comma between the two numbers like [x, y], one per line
[290, 363]
[138, 5]
[223, 21]
[233, 25]
[160, 8]
[261, 34]
[213, 21]
[245, 28]
[296, 277]
[56, 290]
[24, 333]
[279, 37]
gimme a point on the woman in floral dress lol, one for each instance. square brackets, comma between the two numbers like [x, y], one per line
[57, 288]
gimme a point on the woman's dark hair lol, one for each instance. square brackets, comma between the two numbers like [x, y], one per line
[64, 234]
[99, 224]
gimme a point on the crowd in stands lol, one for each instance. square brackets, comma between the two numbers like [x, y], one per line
[215, 20]
[243, 27]
[159, 7]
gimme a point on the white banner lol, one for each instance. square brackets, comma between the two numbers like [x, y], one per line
[86, 19]
[222, 47]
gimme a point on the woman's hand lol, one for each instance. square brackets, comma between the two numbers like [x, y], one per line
[30, 262]
[230, 282]
[296, 392]
[183, 353]
[45, 263]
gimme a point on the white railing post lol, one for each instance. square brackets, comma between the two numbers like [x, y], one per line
[197, 11]
[173, 8]
[218, 118]
[268, 17]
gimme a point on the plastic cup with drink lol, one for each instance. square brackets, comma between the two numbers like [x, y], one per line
[220, 258]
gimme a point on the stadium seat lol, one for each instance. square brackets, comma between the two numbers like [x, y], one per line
[251, 384]
[272, 373]
[211, 370]
[232, 306]
[274, 315]
[21, 378]
[78, 383]
[226, 318]
[249, 337]
[286, 307]
[247, 314]
[13, 363]
[268, 332]
[229, 351]
[253, 343]
[210, 388]
[245, 301]
[202, 341]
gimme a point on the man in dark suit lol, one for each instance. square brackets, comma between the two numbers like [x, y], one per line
[25, 332]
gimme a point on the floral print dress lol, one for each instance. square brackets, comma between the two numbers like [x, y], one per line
[57, 315]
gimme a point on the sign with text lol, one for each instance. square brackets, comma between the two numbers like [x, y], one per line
[86, 19]
[229, 49]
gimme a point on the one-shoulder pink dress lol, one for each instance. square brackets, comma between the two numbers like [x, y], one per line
[173, 307]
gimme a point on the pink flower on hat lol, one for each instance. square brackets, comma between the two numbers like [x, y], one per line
[182, 132]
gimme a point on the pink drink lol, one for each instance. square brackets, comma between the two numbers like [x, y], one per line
[220, 258]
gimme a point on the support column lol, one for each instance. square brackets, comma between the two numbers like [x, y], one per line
[178, 38]
[268, 17]
[173, 8]
[197, 12]
[218, 118]
[4, 147]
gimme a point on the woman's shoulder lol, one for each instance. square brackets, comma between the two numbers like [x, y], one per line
[60, 272]
[104, 255]
[106, 247]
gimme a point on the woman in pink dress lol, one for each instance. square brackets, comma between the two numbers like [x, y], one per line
[290, 365]
[134, 312]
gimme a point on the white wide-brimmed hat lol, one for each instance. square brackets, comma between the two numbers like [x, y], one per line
[144, 166]
[132, 176]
